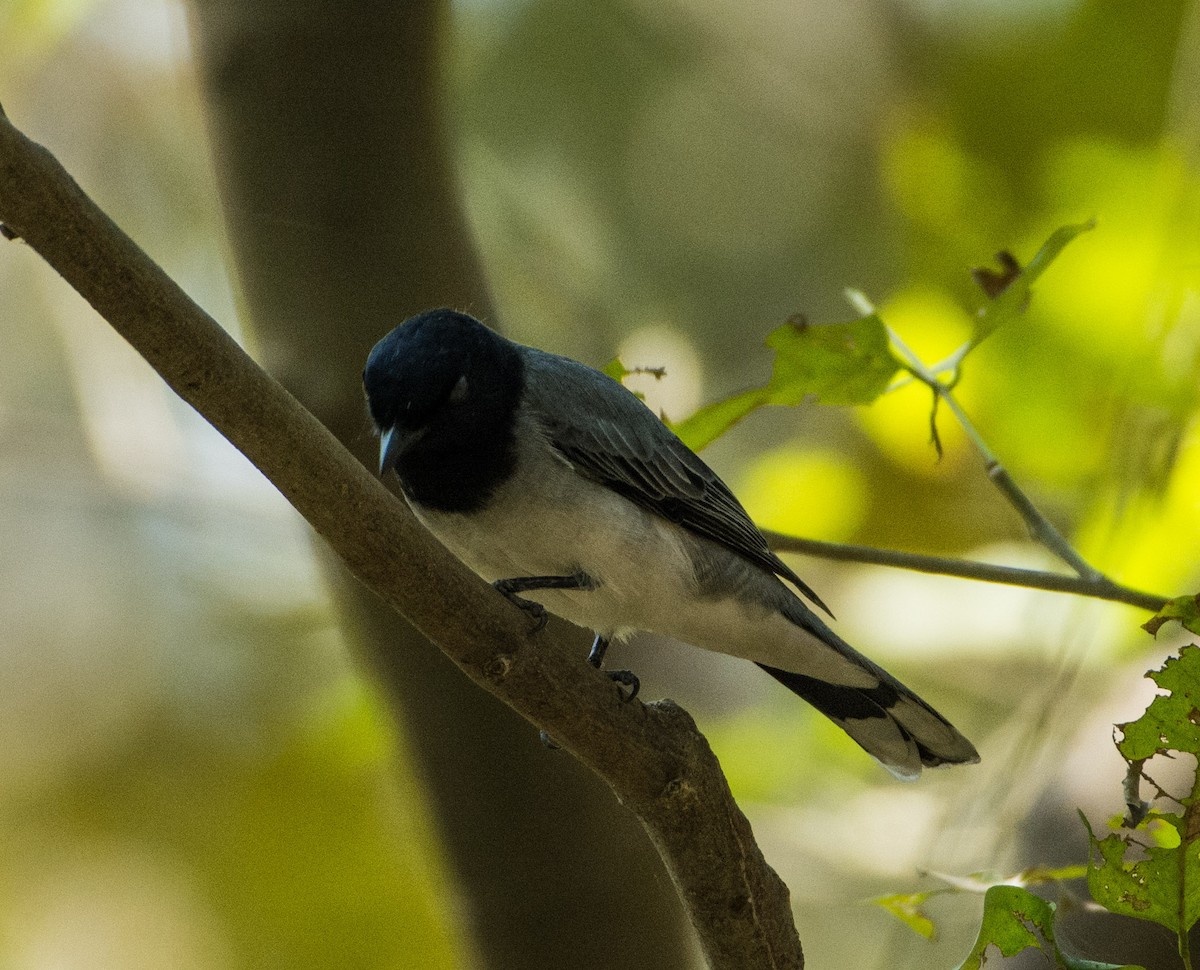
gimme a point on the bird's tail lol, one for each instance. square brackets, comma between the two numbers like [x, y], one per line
[889, 721]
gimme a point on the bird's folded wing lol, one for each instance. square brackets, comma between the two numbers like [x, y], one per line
[611, 437]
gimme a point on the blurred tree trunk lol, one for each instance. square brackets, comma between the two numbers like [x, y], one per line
[336, 172]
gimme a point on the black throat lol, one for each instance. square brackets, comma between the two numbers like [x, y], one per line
[468, 451]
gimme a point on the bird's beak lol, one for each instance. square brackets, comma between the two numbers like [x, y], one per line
[389, 448]
[393, 443]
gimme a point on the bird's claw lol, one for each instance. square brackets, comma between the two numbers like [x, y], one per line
[536, 611]
[625, 678]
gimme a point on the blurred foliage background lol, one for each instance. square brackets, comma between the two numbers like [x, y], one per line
[193, 772]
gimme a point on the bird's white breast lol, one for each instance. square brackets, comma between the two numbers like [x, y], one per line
[548, 520]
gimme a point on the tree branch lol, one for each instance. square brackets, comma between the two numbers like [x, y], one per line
[1096, 587]
[1040, 527]
[656, 761]
[1089, 581]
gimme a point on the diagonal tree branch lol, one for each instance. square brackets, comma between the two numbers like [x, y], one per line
[652, 755]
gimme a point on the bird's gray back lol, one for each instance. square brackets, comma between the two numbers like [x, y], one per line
[609, 435]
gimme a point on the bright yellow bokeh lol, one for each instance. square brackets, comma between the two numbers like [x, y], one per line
[933, 326]
[928, 321]
[817, 494]
[1116, 293]
[1151, 541]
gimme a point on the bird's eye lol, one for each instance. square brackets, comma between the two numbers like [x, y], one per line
[458, 393]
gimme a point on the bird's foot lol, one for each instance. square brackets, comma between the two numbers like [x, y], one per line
[625, 678]
[535, 611]
[510, 588]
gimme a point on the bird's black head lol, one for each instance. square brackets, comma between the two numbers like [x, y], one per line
[443, 390]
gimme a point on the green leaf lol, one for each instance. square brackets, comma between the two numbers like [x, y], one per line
[906, 907]
[1010, 917]
[1159, 880]
[1163, 888]
[1014, 919]
[1042, 874]
[616, 369]
[1172, 721]
[851, 363]
[981, 882]
[1185, 609]
[1015, 296]
[839, 363]
[713, 420]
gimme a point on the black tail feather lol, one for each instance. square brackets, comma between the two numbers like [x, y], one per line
[888, 721]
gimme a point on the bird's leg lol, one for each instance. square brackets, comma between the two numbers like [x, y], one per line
[599, 648]
[510, 588]
[626, 678]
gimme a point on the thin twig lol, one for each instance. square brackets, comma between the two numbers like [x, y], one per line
[1040, 527]
[1099, 587]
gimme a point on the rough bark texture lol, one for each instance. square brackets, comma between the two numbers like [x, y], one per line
[650, 754]
[335, 169]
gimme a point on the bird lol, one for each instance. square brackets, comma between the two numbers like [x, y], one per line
[559, 486]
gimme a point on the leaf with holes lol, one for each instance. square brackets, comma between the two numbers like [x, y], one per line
[1152, 872]
[1172, 721]
[1163, 886]
[1014, 920]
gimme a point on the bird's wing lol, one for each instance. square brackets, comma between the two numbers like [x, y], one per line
[610, 436]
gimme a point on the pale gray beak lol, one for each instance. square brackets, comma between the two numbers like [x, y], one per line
[393, 443]
[389, 448]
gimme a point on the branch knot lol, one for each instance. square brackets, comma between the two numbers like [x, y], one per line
[498, 668]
